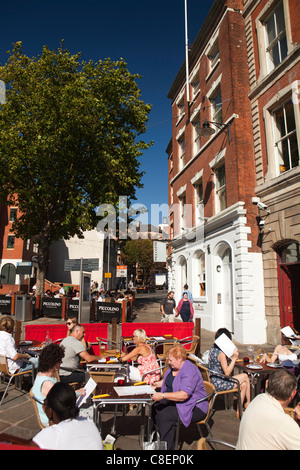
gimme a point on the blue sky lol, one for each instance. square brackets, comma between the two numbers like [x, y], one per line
[148, 34]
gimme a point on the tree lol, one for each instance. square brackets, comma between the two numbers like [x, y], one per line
[69, 142]
[140, 251]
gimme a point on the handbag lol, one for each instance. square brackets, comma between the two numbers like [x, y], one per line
[155, 444]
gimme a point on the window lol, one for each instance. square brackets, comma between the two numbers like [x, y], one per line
[182, 202]
[201, 274]
[13, 214]
[290, 253]
[285, 137]
[196, 136]
[199, 202]
[8, 274]
[216, 109]
[180, 108]
[220, 188]
[195, 83]
[10, 241]
[181, 147]
[275, 34]
[214, 56]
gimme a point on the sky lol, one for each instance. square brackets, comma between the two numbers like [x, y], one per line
[148, 34]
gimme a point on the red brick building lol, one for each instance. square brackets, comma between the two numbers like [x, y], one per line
[273, 46]
[14, 253]
[217, 252]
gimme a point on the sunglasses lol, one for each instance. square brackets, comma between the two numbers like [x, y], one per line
[69, 323]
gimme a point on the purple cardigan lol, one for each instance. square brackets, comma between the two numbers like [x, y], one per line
[189, 380]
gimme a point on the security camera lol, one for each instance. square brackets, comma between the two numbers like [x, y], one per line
[255, 200]
[263, 207]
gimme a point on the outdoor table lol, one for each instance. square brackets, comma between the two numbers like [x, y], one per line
[33, 348]
[256, 373]
[108, 366]
[115, 399]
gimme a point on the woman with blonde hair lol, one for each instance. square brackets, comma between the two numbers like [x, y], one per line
[145, 358]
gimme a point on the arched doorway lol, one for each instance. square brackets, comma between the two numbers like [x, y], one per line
[288, 262]
[8, 274]
[224, 288]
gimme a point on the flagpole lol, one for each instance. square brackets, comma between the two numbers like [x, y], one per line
[186, 53]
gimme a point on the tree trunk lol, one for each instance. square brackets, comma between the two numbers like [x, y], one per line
[42, 265]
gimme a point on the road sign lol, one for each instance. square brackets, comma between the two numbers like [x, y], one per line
[24, 267]
[88, 264]
[121, 271]
[159, 252]
[107, 275]
[72, 264]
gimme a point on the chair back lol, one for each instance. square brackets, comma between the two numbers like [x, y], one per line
[192, 341]
[3, 365]
[34, 402]
[111, 346]
[100, 376]
[211, 394]
[204, 372]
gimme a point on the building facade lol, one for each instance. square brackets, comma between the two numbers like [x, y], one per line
[94, 245]
[15, 254]
[212, 180]
[273, 47]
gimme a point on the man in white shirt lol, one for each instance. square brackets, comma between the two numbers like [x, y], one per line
[264, 424]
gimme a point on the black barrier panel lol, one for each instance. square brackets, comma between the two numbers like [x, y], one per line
[5, 304]
[73, 308]
[51, 307]
[106, 311]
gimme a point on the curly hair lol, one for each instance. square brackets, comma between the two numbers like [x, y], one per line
[50, 355]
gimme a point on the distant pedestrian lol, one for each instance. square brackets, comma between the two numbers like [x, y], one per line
[167, 308]
[189, 294]
[185, 308]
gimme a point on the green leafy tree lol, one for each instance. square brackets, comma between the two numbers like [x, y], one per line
[69, 141]
[139, 253]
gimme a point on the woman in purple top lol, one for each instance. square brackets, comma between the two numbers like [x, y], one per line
[181, 388]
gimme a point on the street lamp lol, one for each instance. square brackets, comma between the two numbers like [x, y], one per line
[206, 130]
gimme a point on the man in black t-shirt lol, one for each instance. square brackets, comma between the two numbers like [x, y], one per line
[167, 307]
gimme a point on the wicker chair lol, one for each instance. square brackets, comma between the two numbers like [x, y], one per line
[211, 394]
[226, 393]
[34, 402]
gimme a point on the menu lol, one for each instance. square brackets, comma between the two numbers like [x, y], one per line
[225, 344]
[134, 390]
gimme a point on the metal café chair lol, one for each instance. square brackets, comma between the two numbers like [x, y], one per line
[4, 371]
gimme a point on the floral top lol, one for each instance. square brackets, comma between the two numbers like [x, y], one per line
[149, 363]
[214, 364]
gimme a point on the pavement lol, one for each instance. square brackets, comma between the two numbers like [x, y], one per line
[17, 416]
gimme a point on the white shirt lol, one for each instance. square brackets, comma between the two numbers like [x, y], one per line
[71, 434]
[265, 426]
[8, 349]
